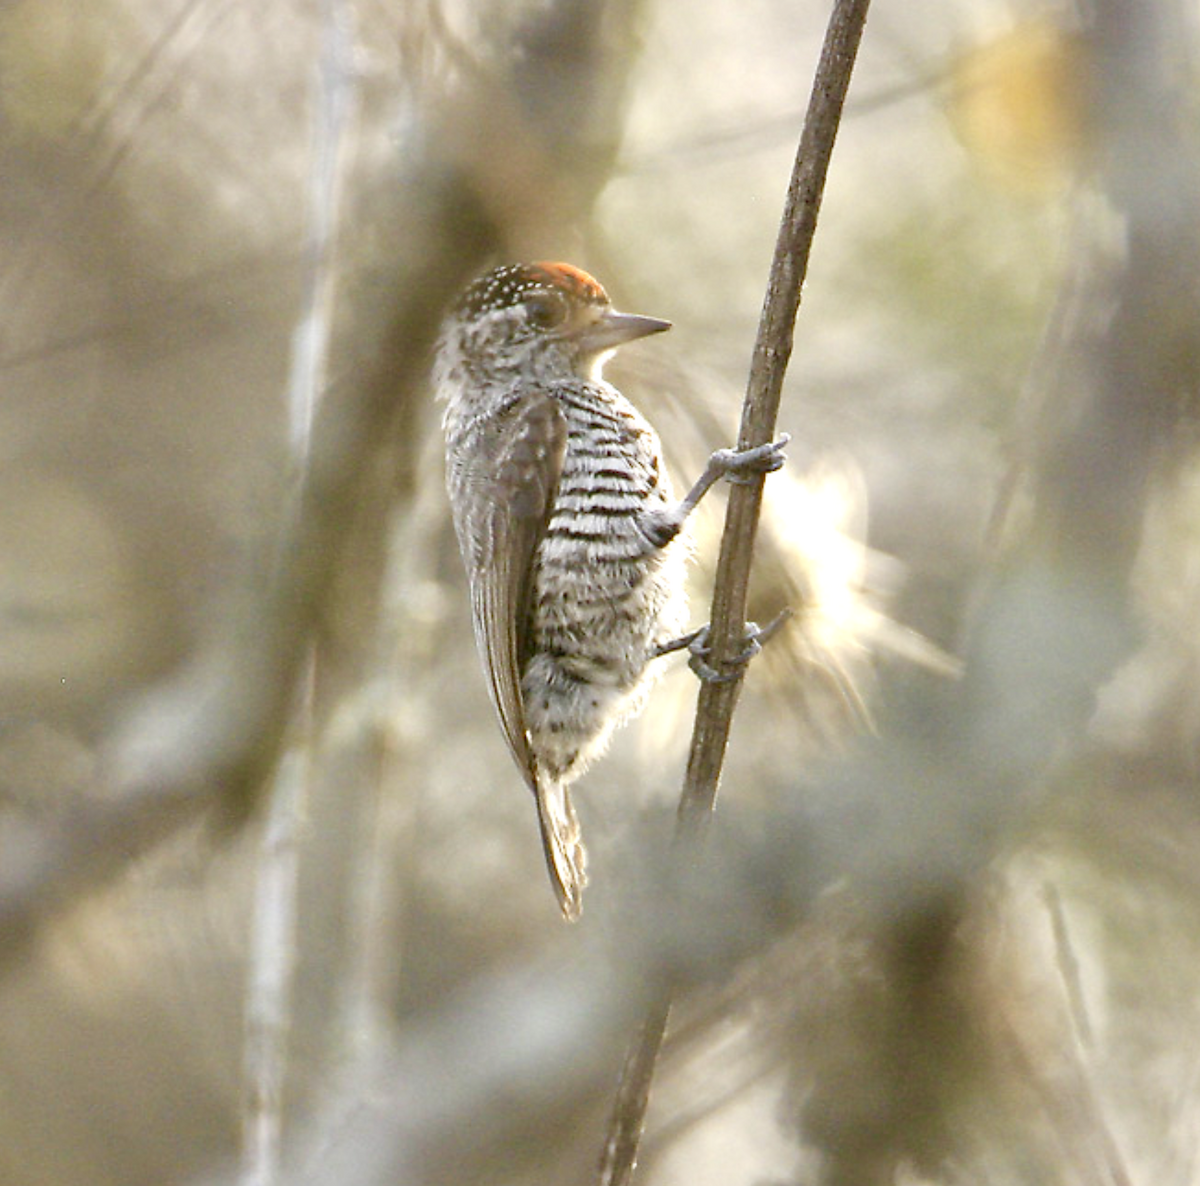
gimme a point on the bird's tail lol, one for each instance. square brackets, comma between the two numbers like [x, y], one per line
[566, 858]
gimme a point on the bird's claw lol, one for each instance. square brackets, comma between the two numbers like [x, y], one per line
[744, 465]
[753, 640]
[699, 651]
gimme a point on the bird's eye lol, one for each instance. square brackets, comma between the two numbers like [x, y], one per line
[546, 310]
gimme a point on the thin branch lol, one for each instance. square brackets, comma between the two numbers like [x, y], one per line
[1067, 963]
[272, 969]
[619, 1156]
[772, 350]
[310, 340]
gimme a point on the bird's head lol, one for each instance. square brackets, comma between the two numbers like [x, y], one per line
[540, 321]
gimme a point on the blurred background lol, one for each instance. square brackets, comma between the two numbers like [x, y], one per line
[272, 906]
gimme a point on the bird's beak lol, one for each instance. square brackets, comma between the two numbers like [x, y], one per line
[614, 329]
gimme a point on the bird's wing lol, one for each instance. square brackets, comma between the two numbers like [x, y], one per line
[505, 488]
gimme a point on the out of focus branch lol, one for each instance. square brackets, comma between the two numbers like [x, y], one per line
[206, 735]
[772, 350]
[923, 809]
[273, 946]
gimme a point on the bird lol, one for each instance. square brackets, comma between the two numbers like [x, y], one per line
[570, 532]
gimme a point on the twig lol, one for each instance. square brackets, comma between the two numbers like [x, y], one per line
[716, 702]
[272, 967]
[1068, 964]
[619, 1155]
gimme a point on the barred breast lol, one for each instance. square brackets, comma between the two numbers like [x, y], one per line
[607, 592]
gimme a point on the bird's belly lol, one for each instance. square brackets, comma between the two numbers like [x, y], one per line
[602, 608]
[599, 618]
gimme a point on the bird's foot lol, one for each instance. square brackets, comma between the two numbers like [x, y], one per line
[678, 644]
[738, 465]
[697, 645]
[744, 465]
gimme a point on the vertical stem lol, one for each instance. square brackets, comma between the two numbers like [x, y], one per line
[619, 1156]
[772, 351]
[716, 702]
[273, 959]
[273, 938]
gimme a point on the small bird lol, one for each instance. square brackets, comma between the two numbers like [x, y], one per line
[568, 527]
